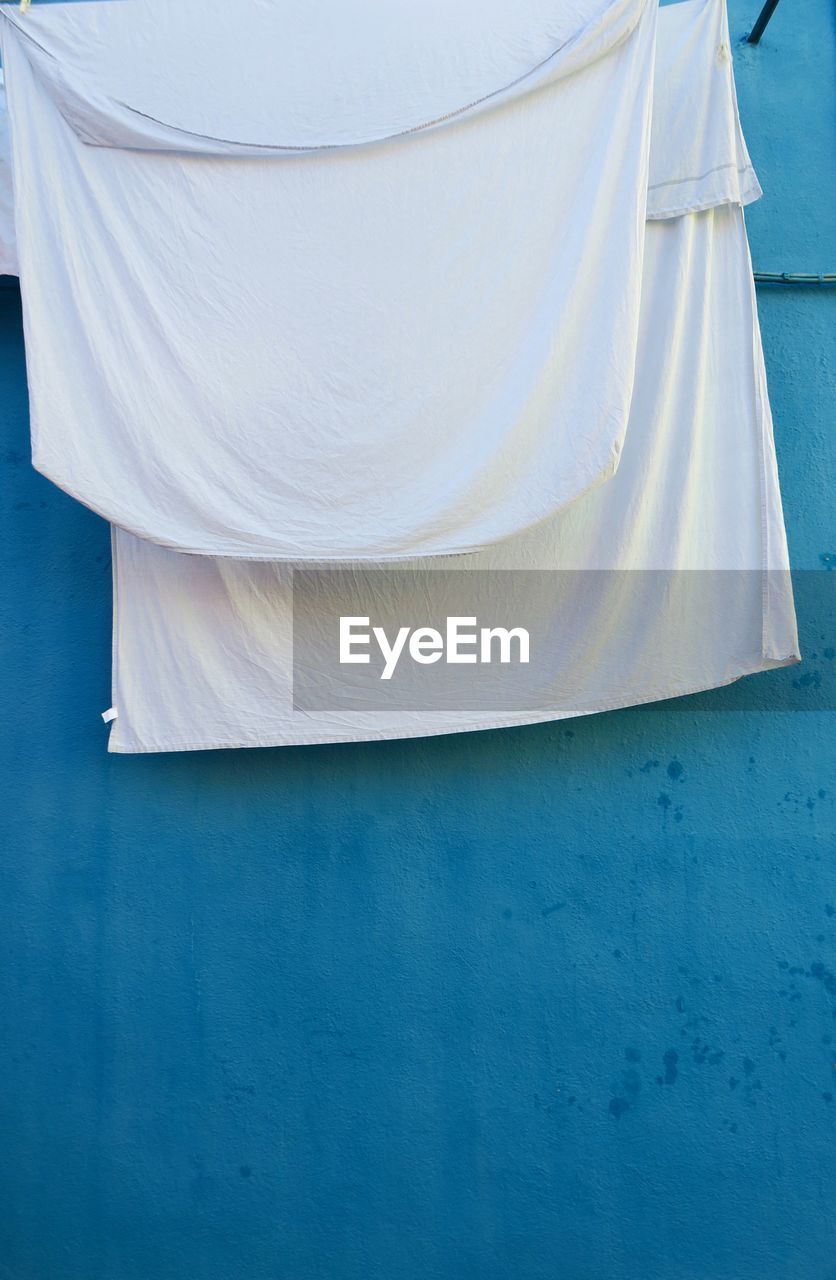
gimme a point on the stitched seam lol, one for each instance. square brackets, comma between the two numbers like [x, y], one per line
[675, 182]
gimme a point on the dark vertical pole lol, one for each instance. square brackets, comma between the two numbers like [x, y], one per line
[763, 18]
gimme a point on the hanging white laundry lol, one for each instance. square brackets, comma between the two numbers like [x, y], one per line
[355, 281]
[670, 579]
[203, 648]
[8, 243]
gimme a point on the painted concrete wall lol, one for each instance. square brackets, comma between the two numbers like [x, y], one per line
[552, 1002]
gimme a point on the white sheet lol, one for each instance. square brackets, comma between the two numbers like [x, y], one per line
[255, 328]
[203, 649]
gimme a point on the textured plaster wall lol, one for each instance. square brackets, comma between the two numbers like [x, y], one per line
[545, 1003]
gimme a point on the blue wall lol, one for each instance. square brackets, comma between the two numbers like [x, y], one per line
[539, 1003]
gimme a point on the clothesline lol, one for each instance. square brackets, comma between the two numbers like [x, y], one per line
[761, 277]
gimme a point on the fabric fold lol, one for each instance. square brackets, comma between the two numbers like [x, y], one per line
[303, 77]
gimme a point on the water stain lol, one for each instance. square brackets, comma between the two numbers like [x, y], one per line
[557, 906]
[825, 976]
[775, 1042]
[703, 1052]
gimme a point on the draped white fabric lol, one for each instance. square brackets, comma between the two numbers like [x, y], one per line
[203, 649]
[376, 299]
[203, 646]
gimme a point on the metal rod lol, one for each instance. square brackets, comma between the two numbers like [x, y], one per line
[761, 277]
[763, 18]
[794, 277]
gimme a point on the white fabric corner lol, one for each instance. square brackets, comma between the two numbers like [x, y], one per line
[698, 156]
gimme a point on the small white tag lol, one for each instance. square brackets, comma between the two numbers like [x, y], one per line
[109, 715]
